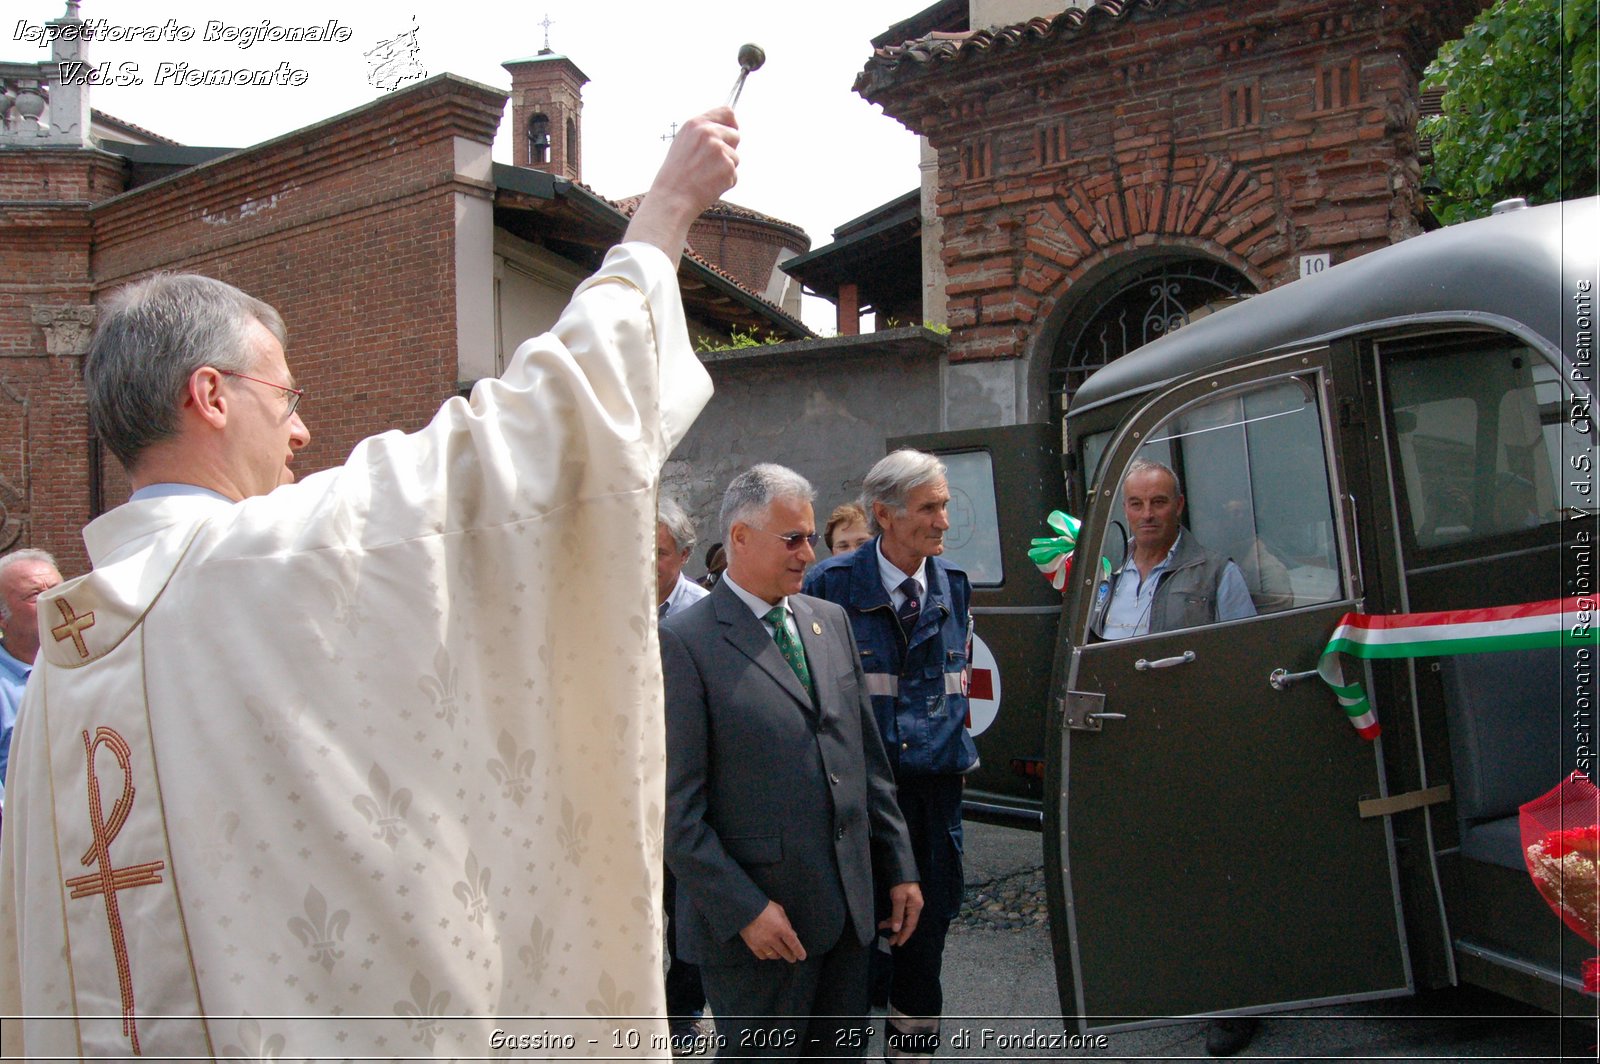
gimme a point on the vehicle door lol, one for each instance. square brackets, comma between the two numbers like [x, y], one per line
[1205, 851]
[1482, 473]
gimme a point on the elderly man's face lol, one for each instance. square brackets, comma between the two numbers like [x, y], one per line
[761, 562]
[916, 532]
[264, 436]
[20, 587]
[669, 562]
[1151, 502]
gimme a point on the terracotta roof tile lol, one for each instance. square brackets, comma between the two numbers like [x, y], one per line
[722, 209]
[772, 308]
[628, 204]
[891, 64]
[112, 120]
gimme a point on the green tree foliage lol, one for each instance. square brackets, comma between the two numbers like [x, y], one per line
[1519, 107]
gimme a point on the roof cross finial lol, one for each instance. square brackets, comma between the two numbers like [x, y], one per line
[547, 24]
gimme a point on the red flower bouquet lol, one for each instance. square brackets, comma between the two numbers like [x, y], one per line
[1561, 843]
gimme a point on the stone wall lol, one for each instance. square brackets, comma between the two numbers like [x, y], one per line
[374, 340]
[822, 408]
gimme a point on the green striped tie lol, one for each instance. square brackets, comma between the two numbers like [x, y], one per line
[790, 647]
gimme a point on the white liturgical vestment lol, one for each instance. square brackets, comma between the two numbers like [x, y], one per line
[372, 765]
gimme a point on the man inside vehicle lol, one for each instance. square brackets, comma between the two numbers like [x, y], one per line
[1170, 581]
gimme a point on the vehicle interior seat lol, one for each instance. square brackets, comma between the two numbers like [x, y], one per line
[1507, 712]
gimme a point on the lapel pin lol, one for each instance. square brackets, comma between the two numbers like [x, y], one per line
[816, 628]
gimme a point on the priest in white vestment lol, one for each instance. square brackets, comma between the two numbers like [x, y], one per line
[364, 765]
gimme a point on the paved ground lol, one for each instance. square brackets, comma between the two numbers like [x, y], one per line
[1001, 1002]
[1001, 993]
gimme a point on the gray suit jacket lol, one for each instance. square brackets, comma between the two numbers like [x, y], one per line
[770, 796]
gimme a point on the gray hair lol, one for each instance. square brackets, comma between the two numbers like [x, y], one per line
[752, 491]
[894, 478]
[1150, 465]
[153, 335]
[679, 527]
[26, 554]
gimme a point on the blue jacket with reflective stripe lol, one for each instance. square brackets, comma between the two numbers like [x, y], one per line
[918, 692]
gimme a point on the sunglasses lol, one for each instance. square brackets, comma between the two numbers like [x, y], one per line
[792, 540]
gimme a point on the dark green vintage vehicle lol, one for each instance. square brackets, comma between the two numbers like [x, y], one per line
[1409, 432]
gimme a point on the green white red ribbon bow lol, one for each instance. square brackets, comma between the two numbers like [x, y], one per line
[1424, 635]
[1053, 554]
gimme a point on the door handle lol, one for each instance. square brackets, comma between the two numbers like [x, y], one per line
[1145, 665]
[1084, 711]
[1283, 679]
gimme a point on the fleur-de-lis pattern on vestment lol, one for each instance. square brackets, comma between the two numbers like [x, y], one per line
[610, 1001]
[279, 723]
[574, 833]
[474, 890]
[653, 833]
[513, 768]
[385, 810]
[346, 607]
[321, 930]
[441, 687]
[422, 1013]
[536, 954]
[254, 1043]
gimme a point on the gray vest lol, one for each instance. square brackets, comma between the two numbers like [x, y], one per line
[1186, 596]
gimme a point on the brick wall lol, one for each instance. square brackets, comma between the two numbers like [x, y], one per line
[745, 249]
[1249, 132]
[551, 85]
[45, 241]
[347, 227]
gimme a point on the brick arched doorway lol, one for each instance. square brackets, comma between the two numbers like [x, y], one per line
[1131, 306]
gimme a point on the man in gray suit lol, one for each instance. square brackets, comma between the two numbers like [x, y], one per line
[781, 811]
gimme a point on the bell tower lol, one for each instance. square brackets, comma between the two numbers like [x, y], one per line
[547, 113]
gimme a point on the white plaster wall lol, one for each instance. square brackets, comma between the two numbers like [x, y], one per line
[475, 336]
[933, 271]
[532, 289]
[988, 14]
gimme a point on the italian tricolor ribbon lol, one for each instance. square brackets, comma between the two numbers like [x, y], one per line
[1423, 635]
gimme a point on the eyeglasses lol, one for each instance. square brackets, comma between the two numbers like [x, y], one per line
[793, 540]
[295, 394]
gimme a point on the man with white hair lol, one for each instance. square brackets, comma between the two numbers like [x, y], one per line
[24, 576]
[910, 611]
[674, 540]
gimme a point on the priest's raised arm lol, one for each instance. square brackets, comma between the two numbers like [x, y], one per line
[381, 748]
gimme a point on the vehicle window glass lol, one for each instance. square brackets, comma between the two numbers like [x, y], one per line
[1479, 429]
[1094, 448]
[1257, 514]
[973, 541]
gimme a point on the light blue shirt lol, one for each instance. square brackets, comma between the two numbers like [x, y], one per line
[13, 678]
[684, 592]
[156, 491]
[1132, 597]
